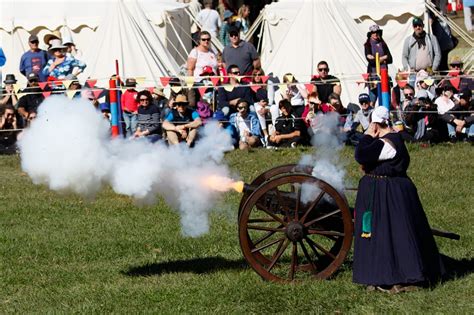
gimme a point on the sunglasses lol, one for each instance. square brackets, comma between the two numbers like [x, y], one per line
[35, 42]
[313, 103]
[205, 39]
[323, 69]
[409, 94]
[418, 25]
[234, 34]
[456, 66]
[235, 72]
[241, 107]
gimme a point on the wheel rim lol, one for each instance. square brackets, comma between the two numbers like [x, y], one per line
[295, 226]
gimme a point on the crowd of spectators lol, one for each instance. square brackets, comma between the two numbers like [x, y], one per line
[427, 105]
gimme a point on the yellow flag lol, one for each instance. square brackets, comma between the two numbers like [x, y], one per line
[283, 88]
[238, 78]
[167, 92]
[189, 81]
[429, 81]
[140, 80]
[16, 87]
[176, 89]
[70, 93]
[67, 83]
[19, 95]
[229, 87]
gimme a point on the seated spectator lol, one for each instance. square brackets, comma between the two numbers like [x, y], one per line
[159, 99]
[288, 128]
[425, 83]
[357, 123]
[456, 76]
[461, 124]
[295, 93]
[61, 66]
[204, 105]
[148, 124]
[8, 121]
[245, 126]
[182, 123]
[262, 105]
[420, 116]
[8, 92]
[325, 83]
[75, 86]
[201, 56]
[312, 108]
[227, 98]
[29, 103]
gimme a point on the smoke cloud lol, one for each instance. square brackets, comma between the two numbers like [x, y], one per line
[68, 148]
[328, 140]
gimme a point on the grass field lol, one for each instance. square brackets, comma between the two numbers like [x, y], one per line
[60, 253]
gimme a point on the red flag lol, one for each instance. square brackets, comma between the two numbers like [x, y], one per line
[309, 87]
[365, 76]
[91, 83]
[255, 88]
[402, 83]
[150, 89]
[42, 85]
[215, 80]
[264, 78]
[46, 94]
[96, 93]
[202, 90]
[165, 81]
[455, 82]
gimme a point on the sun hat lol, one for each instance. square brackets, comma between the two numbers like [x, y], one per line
[54, 35]
[380, 115]
[181, 100]
[56, 44]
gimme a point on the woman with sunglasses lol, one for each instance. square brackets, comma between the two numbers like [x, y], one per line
[61, 66]
[148, 125]
[201, 56]
[246, 126]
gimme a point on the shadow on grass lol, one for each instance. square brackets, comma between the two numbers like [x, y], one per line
[457, 268]
[196, 265]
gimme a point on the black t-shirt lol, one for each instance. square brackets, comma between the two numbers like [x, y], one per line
[325, 86]
[287, 124]
[31, 102]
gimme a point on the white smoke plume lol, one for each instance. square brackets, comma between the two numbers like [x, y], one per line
[328, 140]
[68, 147]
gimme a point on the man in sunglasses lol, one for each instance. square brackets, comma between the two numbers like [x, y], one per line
[34, 60]
[29, 103]
[421, 51]
[228, 96]
[326, 84]
[240, 53]
[456, 77]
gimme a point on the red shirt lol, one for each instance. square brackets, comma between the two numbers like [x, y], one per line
[129, 101]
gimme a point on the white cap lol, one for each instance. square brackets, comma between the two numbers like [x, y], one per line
[380, 115]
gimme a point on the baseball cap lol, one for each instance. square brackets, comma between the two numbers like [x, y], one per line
[380, 115]
[364, 98]
[466, 94]
[417, 21]
[33, 38]
[32, 76]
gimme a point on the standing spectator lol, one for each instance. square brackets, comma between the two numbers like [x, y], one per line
[246, 126]
[61, 66]
[48, 40]
[227, 99]
[224, 33]
[8, 93]
[242, 20]
[129, 104]
[421, 50]
[446, 40]
[209, 19]
[373, 46]
[182, 123]
[295, 92]
[467, 5]
[288, 128]
[201, 56]
[34, 60]
[148, 124]
[29, 103]
[326, 84]
[240, 53]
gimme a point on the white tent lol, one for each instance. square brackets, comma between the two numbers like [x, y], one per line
[299, 33]
[146, 36]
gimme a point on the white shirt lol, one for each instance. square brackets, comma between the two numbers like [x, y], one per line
[444, 104]
[203, 59]
[210, 21]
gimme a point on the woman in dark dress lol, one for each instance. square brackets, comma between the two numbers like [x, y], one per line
[394, 248]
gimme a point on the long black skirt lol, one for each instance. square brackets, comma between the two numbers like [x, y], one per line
[401, 248]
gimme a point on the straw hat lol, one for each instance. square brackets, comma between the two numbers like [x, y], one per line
[48, 37]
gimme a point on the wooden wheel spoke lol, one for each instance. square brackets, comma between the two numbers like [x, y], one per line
[312, 205]
[270, 233]
[260, 220]
[274, 216]
[327, 215]
[298, 200]
[280, 250]
[294, 261]
[325, 233]
[325, 251]
[264, 228]
[267, 245]
[312, 247]
[308, 256]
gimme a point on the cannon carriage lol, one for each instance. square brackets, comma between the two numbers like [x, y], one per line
[294, 226]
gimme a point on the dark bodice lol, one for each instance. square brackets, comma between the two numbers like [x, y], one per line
[368, 151]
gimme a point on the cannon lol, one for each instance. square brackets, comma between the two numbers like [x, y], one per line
[294, 226]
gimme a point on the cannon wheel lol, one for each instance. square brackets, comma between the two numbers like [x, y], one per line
[290, 242]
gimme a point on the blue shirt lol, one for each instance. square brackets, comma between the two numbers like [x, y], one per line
[34, 61]
[3, 59]
[64, 69]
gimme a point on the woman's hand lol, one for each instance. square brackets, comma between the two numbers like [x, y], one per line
[372, 130]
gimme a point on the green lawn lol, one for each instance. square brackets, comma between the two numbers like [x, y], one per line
[60, 253]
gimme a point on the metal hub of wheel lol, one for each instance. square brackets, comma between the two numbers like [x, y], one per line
[295, 231]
